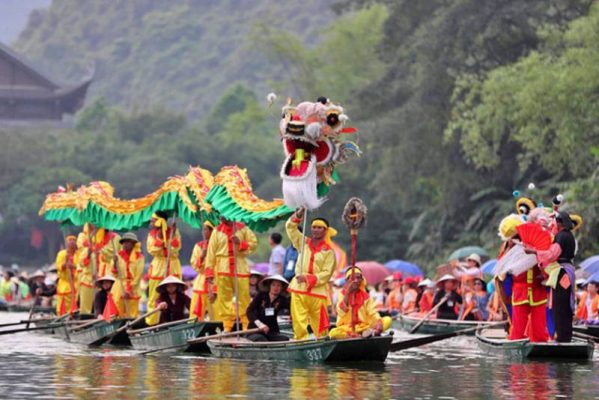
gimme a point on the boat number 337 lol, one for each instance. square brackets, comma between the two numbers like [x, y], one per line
[314, 354]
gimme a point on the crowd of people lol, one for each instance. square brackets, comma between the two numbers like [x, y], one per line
[100, 272]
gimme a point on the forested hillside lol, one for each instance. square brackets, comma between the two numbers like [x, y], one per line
[458, 104]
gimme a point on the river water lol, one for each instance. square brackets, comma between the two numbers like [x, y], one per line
[37, 366]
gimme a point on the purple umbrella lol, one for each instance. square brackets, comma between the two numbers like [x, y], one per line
[261, 267]
[590, 265]
[188, 273]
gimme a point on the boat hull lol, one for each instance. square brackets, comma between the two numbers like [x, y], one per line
[523, 349]
[373, 349]
[591, 330]
[176, 335]
[305, 351]
[97, 334]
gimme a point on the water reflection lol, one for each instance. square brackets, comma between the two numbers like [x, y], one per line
[39, 366]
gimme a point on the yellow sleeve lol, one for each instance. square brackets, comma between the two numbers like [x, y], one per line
[371, 312]
[195, 258]
[154, 246]
[324, 274]
[250, 238]
[295, 236]
[211, 250]
[61, 259]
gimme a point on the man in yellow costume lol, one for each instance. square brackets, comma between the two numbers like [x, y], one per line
[313, 270]
[228, 247]
[357, 301]
[66, 268]
[202, 284]
[130, 262]
[85, 272]
[163, 244]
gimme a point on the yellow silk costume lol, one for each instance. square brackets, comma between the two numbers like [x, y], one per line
[157, 246]
[367, 318]
[222, 259]
[129, 273]
[66, 289]
[85, 279]
[309, 299]
[200, 305]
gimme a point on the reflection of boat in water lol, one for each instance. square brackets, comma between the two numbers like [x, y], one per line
[435, 326]
[172, 334]
[494, 341]
[321, 350]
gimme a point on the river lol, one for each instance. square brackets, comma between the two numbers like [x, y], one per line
[41, 367]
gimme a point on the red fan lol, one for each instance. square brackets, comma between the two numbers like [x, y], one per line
[533, 235]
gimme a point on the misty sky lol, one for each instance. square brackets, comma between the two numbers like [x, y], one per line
[13, 17]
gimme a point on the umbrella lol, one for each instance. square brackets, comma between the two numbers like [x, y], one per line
[188, 273]
[590, 265]
[406, 268]
[488, 267]
[466, 251]
[592, 278]
[261, 267]
[373, 271]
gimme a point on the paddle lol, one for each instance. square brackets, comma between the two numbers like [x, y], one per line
[131, 323]
[31, 310]
[88, 324]
[205, 339]
[428, 314]
[35, 328]
[14, 323]
[406, 344]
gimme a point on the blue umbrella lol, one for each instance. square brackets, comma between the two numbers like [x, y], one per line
[406, 268]
[464, 252]
[487, 267]
[590, 265]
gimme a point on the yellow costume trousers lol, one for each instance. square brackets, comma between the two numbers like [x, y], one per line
[307, 310]
[152, 297]
[343, 331]
[224, 307]
[206, 307]
[86, 299]
[63, 303]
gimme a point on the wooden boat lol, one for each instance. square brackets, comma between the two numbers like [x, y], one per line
[374, 348]
[100, 333]
[173, 334]
[27, 308]
[494, 341]
[435, 326]
[244, 349]
[322, 350]
[591, 330]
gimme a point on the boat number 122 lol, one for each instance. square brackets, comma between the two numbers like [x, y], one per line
[188, 334]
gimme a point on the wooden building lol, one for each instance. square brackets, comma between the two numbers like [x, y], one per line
[27, 95]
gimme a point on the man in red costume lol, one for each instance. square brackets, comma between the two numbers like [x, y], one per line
[529, 299]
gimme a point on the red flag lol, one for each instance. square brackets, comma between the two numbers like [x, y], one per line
[110, 309]
[36, 238]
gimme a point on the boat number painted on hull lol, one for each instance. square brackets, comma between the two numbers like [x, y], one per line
[314, 354]
[188, 334]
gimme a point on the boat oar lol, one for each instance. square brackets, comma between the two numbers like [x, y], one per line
[31, 310]
[205, 339]
[35, 328]
[87, 324]
[407, 344]
[428, 314]
[131, 323]
[15, 323]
